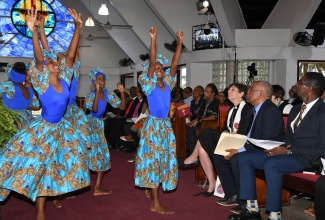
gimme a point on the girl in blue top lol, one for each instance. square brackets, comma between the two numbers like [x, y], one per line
[48, 157]
[96, 100]
[156, 161]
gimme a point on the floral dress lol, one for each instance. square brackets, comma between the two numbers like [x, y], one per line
[156, 156]
[47, 158]
[98, 155]
[75, 115]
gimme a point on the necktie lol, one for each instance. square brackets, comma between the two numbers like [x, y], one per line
[232, 119]
[251, 119]
[129, 107]
[296, 123]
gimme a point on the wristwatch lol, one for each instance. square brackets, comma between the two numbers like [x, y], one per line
[289, 151]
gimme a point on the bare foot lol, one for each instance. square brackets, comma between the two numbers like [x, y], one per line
[147, 192]
[101, 192]
[57, 203]
[161, 210]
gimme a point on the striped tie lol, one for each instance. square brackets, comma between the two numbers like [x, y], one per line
[298, 120]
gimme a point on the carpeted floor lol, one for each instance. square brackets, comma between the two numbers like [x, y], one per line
[126, 201]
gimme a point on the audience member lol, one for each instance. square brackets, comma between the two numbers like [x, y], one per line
[197, 102]
[277, 99]
[293, 97]
[257, 126]
[187, 96]
[304, 141]
[208, 111]
[177, 94]
[221, 96]
[236, 121]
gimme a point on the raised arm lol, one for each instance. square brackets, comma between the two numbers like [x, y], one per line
[121, 89]
[97, 91]
[173, 67]
[75, 39]
[152, 59]
[41, 21]
[76, 58]
[32, 14]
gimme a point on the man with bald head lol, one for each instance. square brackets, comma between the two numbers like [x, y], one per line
[304, 142]
[264, 122]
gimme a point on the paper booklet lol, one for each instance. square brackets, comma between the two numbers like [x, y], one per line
[111, 114]
[135, 120]
[229, 141]
[236, 141]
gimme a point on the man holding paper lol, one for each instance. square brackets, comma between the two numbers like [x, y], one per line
[304, 142]
[265, 122]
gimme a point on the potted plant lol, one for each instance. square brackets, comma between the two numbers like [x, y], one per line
[9, 122]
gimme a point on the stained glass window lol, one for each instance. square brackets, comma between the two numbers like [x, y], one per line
[15, 37]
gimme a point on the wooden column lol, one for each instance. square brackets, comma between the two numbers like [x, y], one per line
[179, 127]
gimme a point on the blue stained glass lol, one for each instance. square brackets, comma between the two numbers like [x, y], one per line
[22, 29]
[4, 12]
[4, 21]
[20, 45]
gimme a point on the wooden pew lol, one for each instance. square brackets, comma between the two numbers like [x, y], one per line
[179, 128]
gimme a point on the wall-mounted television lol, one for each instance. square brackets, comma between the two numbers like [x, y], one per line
[205, 38]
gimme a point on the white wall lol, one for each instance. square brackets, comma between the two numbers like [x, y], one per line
[198, 74]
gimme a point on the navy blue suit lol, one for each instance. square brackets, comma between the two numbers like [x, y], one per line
[307, 143]
[228, 171]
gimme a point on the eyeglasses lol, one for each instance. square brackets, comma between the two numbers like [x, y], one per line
[302, 83]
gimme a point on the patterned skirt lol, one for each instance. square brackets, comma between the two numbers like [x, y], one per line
[156, 157]
[78, 119]
[26, 118]
[44, 159]
[98, 155]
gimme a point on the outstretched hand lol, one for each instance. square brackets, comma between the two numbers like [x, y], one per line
[153, 32]
[179, 35]
[120, 87]
[32, 19]
[41, 21]
[76, 17]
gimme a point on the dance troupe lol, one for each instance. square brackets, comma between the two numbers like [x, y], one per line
[52, 154]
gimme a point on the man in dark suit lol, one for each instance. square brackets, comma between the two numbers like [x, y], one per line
[294, 99]
[304, 142]
[258, 126]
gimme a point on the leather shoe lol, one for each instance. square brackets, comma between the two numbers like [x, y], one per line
[246, 215]
[232, 200]
[238, 209]
[190, 165]
[205, 194]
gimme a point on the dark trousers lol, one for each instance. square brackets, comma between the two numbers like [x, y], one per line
[274, 168]
[228, 172]
[319, 198]
[191, 137]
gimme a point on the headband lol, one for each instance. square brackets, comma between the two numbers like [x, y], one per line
[95, 73]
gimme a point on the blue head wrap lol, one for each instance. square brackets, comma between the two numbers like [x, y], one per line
[95, 73]
[51, 54]
[159, 59]
[16, 72]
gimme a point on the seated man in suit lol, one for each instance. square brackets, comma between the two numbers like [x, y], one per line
[294, 99]
[304, 142]
[208, 111]
[266, 124]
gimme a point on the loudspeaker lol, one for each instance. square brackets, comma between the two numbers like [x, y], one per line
[319, 34]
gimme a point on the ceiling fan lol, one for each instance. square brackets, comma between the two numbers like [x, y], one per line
[101, 26]
[90, 37]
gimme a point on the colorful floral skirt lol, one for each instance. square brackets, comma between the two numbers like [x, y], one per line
[78, 119]
[156, 157]
[44, 159]
[98, 154]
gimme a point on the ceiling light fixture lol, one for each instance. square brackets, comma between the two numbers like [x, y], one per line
[103, 10]
[89, 22]
[203, 6]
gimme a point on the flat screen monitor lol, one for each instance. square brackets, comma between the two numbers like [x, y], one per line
[205, 39]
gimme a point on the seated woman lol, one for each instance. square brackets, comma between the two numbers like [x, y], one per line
[277, 99]
[209, 138]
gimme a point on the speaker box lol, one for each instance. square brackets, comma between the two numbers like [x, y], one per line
[319, 34]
